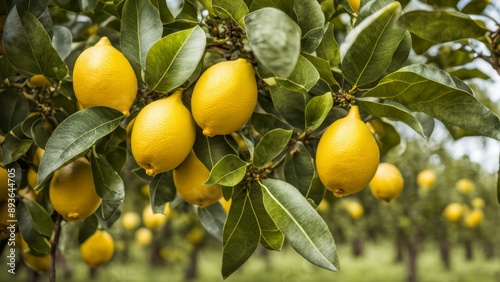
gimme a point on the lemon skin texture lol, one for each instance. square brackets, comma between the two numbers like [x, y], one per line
[347, 156]
[102, 76]
[72, 191]
[98, 249]
[224, 97]
[387, 183]
[163, 134]
[189, 178]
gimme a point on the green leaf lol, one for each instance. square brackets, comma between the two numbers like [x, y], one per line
[303, 77]
[316, 191]
[274, 39]
[370, 8]
[118, 157]
[475, 7]
[210, 150]
[14, 109]
[441, 26]
[401, 54]
[290, 105]
[235, 9]
[263, 123]
[317, 110]
[168, 70]
[304, 228]
[28, 47]
[88, 6]
[165, 14]
[368, 48]
[108, 185]
[299, 168]
[87, 228]
[213, 218]
[111, 141]
[35, 225]
[161, 191]
[433, 91]
[15, 145]
[229, 171]
[74, 136]
[283, 5]
[61, 41]
[39, 133]
[141, 28]
[311, 20]
[464, 73]
[391, 110]
[106, 223]
[37, 8]
[323, 68]
[329, 49]
[240, 235]
[270, 146]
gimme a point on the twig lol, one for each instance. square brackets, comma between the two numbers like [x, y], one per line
[53, 246]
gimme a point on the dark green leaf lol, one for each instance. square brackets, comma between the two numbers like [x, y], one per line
[304, 228]
[108, 185]
[303, 77]
[14, 109]
[235, 9]
[87, 228]
[317, 109]
[283, 5]
[229, 171]
[210, 150]
[161, 191]
[299, 168]
[263, 123]
[61, 41]
[323, 68]
[328, 49]
[34, 7]
[13, 147]
[441, 26]
[270, 146]
[430, 90]
[316, 191]
[401, 54]
[110, 142]
[475, 7]
[311, 20]
[141, 28]
[28, 123]
[426, 121]
[74, 136]
[168, 70]
[165, 14]
[290, 105]
[107, 223]
[213, 218]
[29, 48]
[88, 6]
[39, 133]
[464, 73]
[370, 8]
[274, 39]
[118, 157]
[369, 47]
[35, 225]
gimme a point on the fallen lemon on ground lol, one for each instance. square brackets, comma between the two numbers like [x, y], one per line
[98, 249]
[387, 183]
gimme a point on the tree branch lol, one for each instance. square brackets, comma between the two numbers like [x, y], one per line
[53, 246]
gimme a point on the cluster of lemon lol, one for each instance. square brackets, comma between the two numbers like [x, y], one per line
[470, 216]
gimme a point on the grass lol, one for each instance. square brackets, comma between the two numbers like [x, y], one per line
[376, 264]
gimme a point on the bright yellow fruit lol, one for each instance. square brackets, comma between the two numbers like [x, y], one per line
[465, 186]
[426, 179]
[387, 183]
[242, 146]
[32, 177]
[72, 191]
[195, 235]
[163, 134]
[189, 178]
[104, 77]
[453, 212]
[39, 80]
[224, 97]
[37, 263]
[143, 236]
[225, 204]
[4, 185]
[323, 206]
[155, 220]
[478, 203]
[473, 218]
[347, 156]
[98, 249]
[355, 209]
[38, 156]
[130, 220]
[354, 5]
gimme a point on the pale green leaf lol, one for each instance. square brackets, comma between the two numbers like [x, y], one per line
[229, 171]
[317, 109]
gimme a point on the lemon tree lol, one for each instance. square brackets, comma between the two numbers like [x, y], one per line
[267, 105]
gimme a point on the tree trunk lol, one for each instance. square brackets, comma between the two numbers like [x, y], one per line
[399, 250]
[489, 250]
[192, 269]
[357, 247]
[444, 249]
[469, 254]
[412, 261]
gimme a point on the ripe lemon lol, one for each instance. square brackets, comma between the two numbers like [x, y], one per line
[465, 186]
[426, 179]
[163, 134]
[347, 156]
[130, 220]
[155, 220]
[473, 218]
[4, 185]
[143, 236]
[104, 77]
[478, 203]
[98, 249]
[224, 97]
[387, 183]
[195, 235]
[32, 177]
[354, 5]
[323, 206]
[39, 80]
[226, 205]
[38, 156]
[37, 263]
[354, 209]
[453, 212]
[189, 178]
[72, 191]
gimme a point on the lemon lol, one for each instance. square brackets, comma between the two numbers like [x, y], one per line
[323, 206]
[32, 177]
[38, 156]
[39, 80]
[143, 236]
[224, 97]
[354, 209]
[465, 186]
[98, 249]
[453, 212]
[354, 5]
[387, 183]
[189, 178]
[37, 263]
[4, 185]
[72, 191]
[242, 146]
[473, 218]
[195, 235]
[226, 205]
[478, 203]
[347, 156]
[130, 220]
[102, 76]
[155, 220]
[426, 179]
[163, 134]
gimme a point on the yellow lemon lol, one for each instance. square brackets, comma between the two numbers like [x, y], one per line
[323, 206]
[478, 203]
[189, 178]
[473, 218]
[354, 209]
[37, 263]
[453, 212]
[38, 156]
[104, 77]
[39, 80]
[387, 183]
[426, 179]
[72, 191]
[163, 134]
[465, 186]
[130, 220]
[242, 146]
[354, 5]
[224, 97]
[226, 205]
[4, 185]
[195, 235]
[32, 177]
[98, 249]
[347, 156]
[155, 220]
[143, 236]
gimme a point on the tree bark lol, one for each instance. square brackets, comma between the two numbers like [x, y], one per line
[192, 269]
[412, 261]
[357, 247]
[53, 246]
[469, 253]
[444, 250]
[489, 250]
